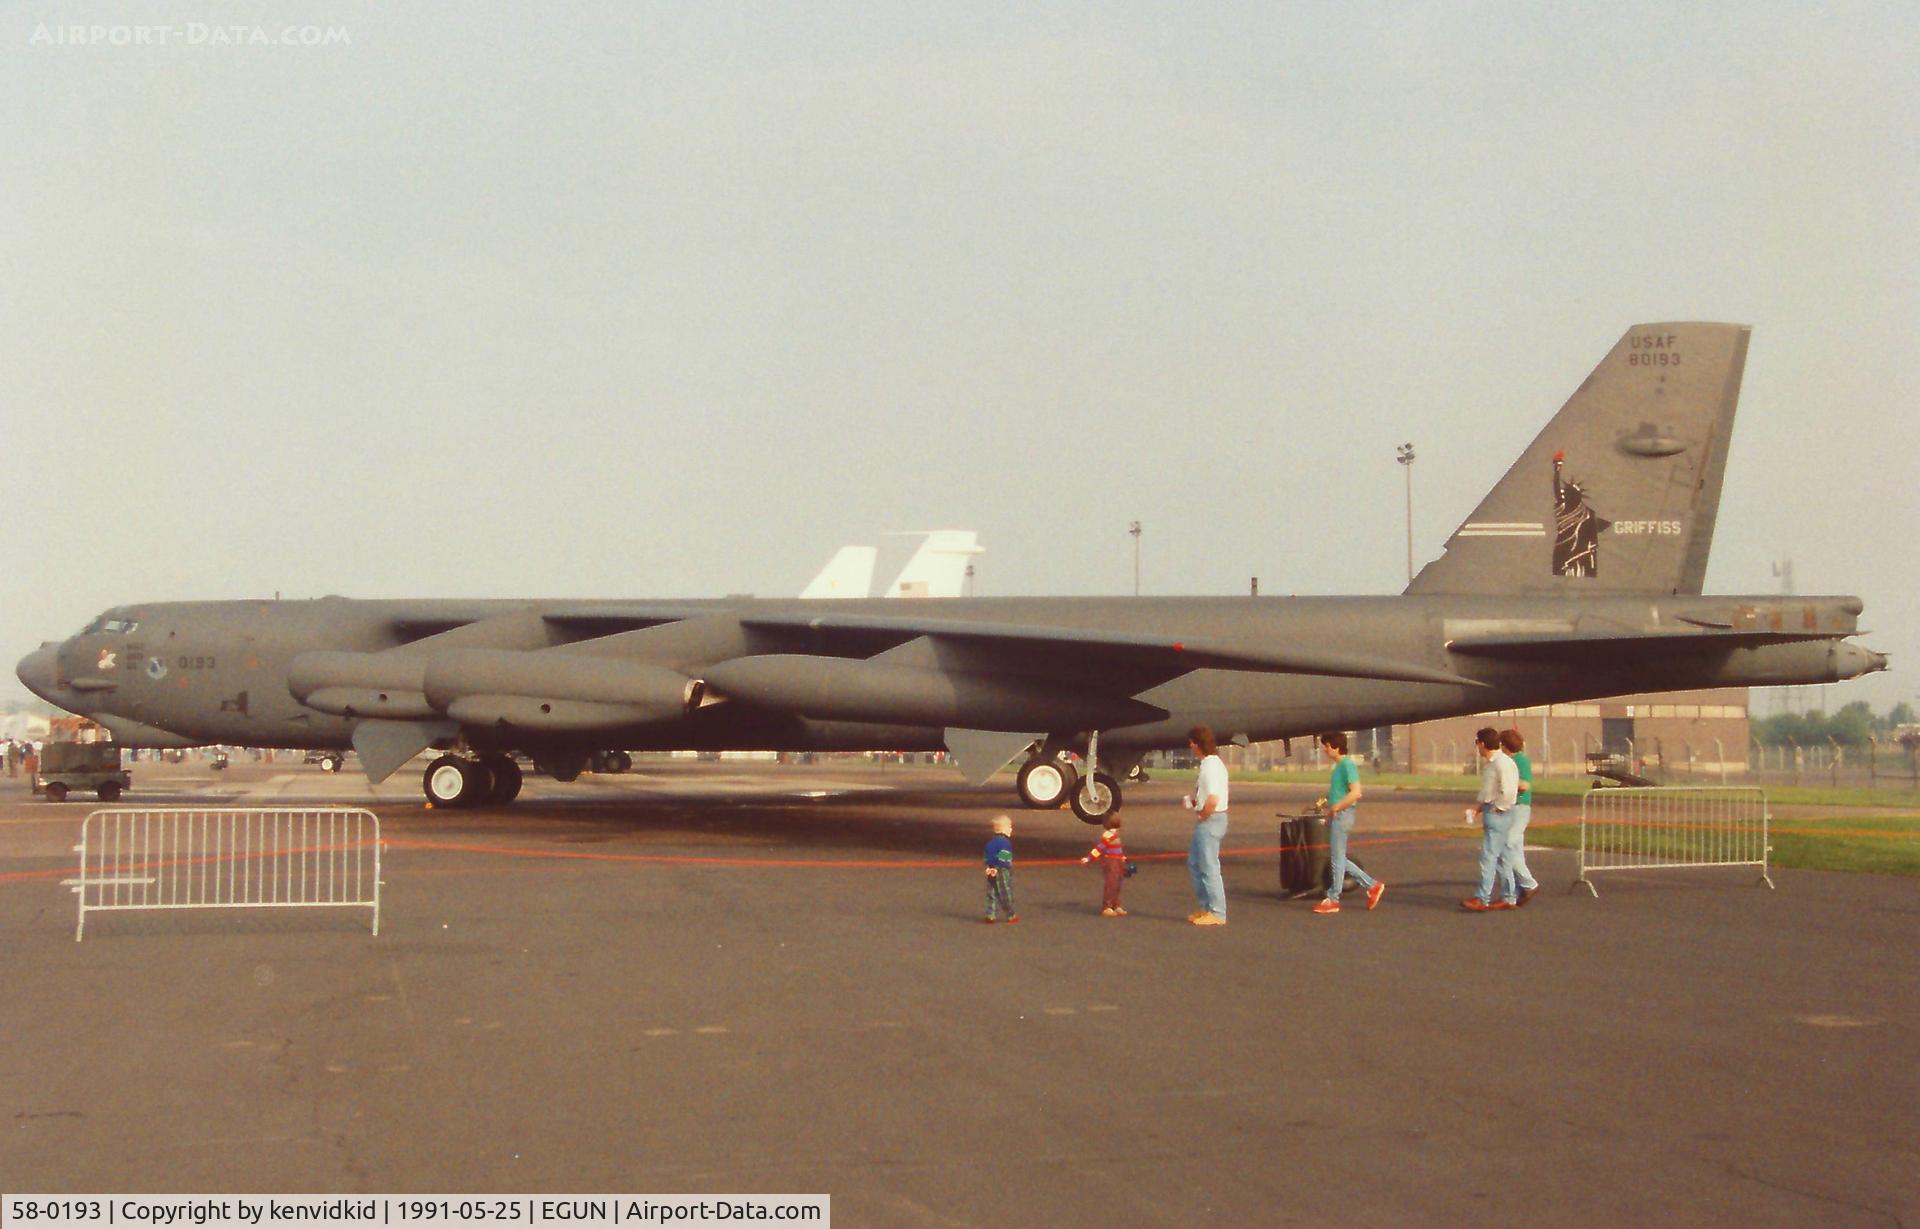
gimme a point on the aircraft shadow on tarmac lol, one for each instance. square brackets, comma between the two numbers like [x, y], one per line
[933, 823]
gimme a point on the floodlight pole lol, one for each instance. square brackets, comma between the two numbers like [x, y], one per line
[1134, 529]
[1404, 454]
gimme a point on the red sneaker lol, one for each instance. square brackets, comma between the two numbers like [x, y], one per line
[1327, 906]
[1374, 894]
[1473, 904]
[1502, 904]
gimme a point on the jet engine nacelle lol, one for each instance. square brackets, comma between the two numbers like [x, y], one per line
[531, 690]
[554, 691]
[385, 685]
[390, 672]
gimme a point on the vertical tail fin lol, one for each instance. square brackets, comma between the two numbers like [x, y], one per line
[939, 567]
[1620, 492]
[848, 574]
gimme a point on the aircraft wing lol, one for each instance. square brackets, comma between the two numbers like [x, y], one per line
[1162, 656]
[418, 621]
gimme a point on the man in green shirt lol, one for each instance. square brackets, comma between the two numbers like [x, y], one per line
[1343, 808]
[1516, 852]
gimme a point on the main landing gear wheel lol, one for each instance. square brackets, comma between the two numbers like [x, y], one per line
[562, 767]
[506, 777]
[1045, 784]
[453, 782]
[1096, 798]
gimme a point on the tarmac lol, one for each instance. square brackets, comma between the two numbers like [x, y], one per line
[751, 978]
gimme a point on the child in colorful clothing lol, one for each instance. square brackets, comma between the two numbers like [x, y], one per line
[1113, 864]
[1000, 870]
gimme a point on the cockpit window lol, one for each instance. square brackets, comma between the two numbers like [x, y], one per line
[106, 625]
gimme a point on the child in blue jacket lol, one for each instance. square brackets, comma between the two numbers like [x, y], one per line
[1000, 870]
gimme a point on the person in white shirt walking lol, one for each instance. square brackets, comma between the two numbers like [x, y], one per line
[1499, 792]
[1209, 807]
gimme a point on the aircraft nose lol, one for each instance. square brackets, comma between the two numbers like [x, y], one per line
[38, 672]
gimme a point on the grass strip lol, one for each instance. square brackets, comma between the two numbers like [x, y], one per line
[1575, 786]
[1877, 844]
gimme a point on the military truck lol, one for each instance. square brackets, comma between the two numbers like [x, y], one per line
[65, 767]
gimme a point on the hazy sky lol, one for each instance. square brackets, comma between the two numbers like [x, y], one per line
[673, 300]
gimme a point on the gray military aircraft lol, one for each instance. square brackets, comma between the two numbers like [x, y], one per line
[1578, 576]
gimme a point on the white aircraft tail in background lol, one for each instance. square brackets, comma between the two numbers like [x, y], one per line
[939, 567]
[848, 574]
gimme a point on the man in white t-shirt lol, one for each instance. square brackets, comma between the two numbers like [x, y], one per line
[1209, 807]
[1499, 792]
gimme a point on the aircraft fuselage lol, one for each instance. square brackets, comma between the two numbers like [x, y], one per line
[183, 673]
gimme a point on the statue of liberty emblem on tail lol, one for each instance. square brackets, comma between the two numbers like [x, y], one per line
[1576, 526]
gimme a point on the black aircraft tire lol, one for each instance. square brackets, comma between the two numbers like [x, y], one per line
[617, 761]
[447, 782]
[479, 783]
[506, 778]
[1096, 800]
[1045, 784]
[565, 768]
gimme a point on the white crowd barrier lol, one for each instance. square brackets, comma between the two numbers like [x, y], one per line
[227, 858]
[1659, 827]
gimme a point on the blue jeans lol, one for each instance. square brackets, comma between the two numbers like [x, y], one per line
[1516, 852]
[1338, 829]
[1495, 827]
[1203, 860]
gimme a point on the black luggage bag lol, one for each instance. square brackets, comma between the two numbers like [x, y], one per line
[1306, 863]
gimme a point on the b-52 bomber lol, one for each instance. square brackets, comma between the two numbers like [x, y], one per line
[1578, 576]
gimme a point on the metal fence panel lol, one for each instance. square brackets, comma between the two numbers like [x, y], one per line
[1656, 827]
[227, 858]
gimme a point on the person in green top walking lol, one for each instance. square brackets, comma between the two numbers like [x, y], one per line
[1343, 808]
[1516, 852]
